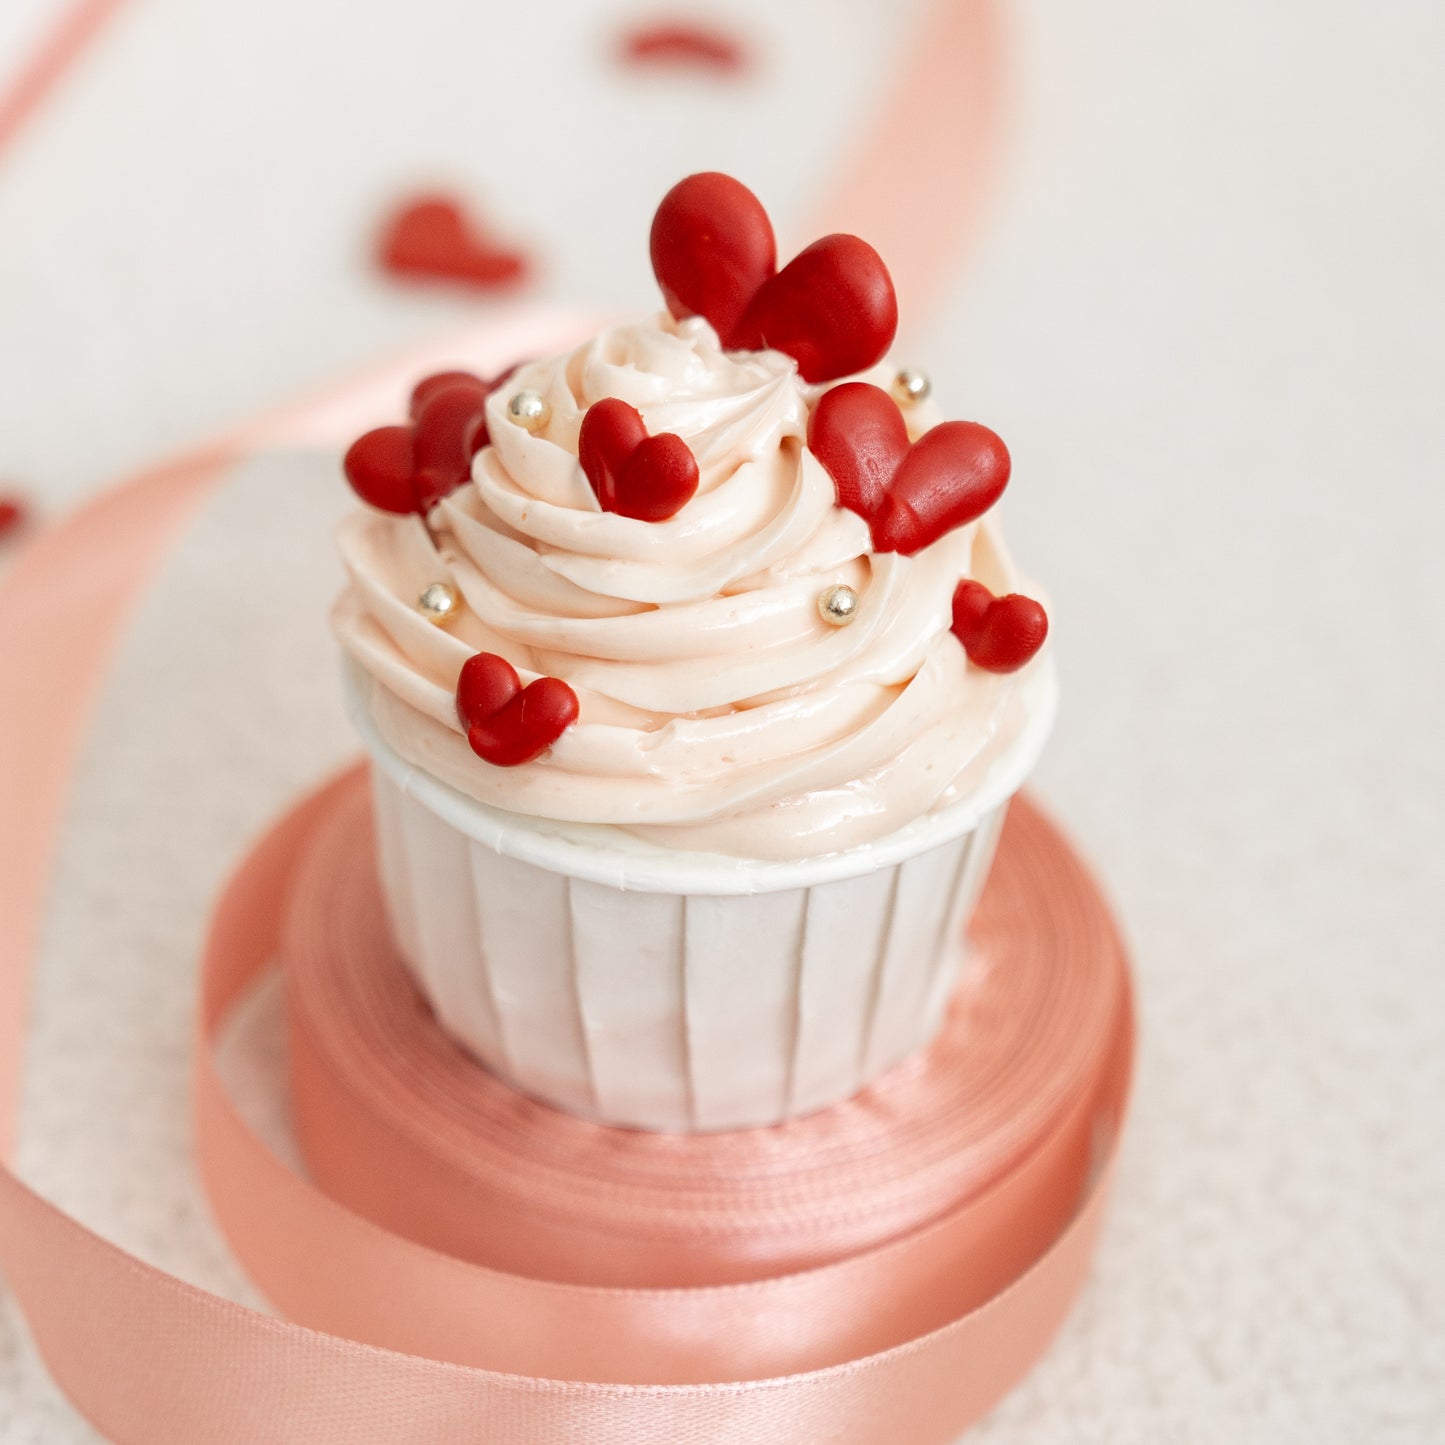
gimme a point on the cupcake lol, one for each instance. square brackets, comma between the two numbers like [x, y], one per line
[696, 681]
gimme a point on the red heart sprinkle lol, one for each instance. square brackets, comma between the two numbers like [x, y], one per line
[832, 308]
[999, 634]
[381, 466]
[683, 43]
[712, 248]
[430, 238]
[429, 386]
[649, 478]
[910, 495]
[411, 468]
[508, 724]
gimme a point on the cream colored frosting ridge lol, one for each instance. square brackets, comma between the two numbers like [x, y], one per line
[719, 712]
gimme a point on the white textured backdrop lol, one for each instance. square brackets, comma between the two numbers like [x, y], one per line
[1210, 321]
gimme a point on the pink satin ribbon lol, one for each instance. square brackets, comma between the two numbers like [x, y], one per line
[611, 1255]
[57, 52]
[910, 1339]
[917, 183]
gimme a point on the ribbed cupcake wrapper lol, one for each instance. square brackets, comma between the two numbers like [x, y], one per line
[676, 1011]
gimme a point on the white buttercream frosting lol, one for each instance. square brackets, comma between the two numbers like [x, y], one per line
[719, 712]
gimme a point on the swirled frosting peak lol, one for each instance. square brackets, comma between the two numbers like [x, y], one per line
[719, 710]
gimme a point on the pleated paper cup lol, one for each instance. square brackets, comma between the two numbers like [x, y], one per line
[650, 988]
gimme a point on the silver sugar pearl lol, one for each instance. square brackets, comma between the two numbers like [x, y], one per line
[911, 386]
[438, 603]
[529, 409]
[838, 605]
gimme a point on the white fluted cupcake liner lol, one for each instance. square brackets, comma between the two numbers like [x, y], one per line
[664, 990]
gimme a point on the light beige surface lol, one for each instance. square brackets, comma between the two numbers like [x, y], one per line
[1210, 322]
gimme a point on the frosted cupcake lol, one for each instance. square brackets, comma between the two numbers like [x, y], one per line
[696, 683]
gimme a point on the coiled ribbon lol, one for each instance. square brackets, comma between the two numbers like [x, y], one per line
[869, 1239]
[400, 1125]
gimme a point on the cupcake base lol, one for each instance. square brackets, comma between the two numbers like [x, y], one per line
[676, 1011]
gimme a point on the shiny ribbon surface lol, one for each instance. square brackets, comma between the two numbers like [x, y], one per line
[613, 1255]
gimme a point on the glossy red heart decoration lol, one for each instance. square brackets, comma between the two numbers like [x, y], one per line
[910, 495]
[832, 308]
[508, 724]
[411, 468]
[1000, 634]
[712, 248]
[431, 386]
[649, 478]
[432, 239]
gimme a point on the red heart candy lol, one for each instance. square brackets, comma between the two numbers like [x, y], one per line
[832, 308]
[712, 248]
[431, 238]
[649, 478]
[429, 386]
[999, 634]
[910, 495]
[411, 468]
[508, 724]
[380, 467]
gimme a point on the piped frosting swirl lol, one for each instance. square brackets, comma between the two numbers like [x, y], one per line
[719, 712]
